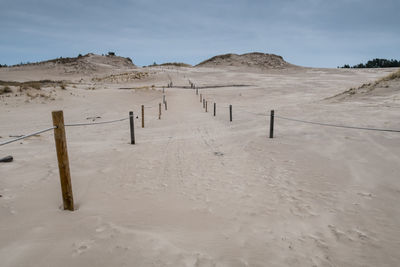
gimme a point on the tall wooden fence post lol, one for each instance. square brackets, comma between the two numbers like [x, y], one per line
[63, 162]
[159, 111]
[142, 116]
[201, 98]
[271, 124]
[206, 105]
[215, 109]
[166, 108]
[230, 112]
[132, 126]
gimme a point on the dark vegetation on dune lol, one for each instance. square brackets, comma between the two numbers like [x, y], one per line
[175, 64]
[254, 60]
[32, 84]
[224, 56]
[63, 60]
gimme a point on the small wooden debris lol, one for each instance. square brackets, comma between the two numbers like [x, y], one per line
[7, 159]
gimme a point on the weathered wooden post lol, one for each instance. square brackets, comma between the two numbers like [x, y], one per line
[142, 116]
[215, 109]
[206, 105]
[230, 112]
[201, 98]
[63, 162]
[165, 103]
[197, 91]
[163, 98]
[132, 127]
[159, 111]
[271, 124]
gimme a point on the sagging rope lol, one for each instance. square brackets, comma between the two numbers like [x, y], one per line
[66, 125]
[26, 136]
[338, 126]
[95, 123]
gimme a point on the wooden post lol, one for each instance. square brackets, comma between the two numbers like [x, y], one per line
[206, 105]
[215, 109]
[201, 98]
[159, 111]
[230, 112]
[142, 116]
[163, 98]
[63, 163]
[197, 91]
[271, 124]
[165, 103]
[132, 126]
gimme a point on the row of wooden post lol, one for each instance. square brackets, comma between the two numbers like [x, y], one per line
[62, 152]
[272, 115]
[205, 106]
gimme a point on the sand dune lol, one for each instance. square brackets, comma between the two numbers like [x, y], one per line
[198, 190]
[388, 86]
[259, 61]
[67, 68]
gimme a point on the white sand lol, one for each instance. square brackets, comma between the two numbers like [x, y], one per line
[201, 191]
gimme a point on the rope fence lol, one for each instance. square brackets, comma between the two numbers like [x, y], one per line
[338, 126]
[26, 136]
[61, 145]
[70, 125]
[203, 99]
[66, 125]
[96, 123]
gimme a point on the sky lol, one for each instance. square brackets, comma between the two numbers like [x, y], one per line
[314, 33]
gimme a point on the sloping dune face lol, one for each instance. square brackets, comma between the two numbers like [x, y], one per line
[388, 86]
[252, 60]
[64, 68]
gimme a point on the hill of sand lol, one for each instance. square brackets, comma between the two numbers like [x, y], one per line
[251, 60]
[388, 86]
[66, 68]
[197, 190]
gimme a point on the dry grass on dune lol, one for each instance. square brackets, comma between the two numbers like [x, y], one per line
[123, 77]
[5, 90]
[33, 84]
[365, 88]
[392, 76]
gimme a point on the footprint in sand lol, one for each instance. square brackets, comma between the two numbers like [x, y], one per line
[82, 247]
[363, 194]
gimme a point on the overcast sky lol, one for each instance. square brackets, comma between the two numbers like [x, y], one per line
[316, 33]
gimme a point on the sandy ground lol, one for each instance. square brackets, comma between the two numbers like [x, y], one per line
[198, 190]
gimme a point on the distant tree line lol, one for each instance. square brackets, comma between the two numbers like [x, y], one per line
[3, 66]
[375, 63]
